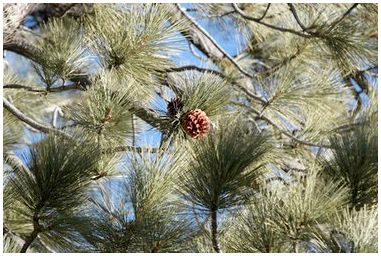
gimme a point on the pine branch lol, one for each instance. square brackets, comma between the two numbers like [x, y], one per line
[215, 44]
[333, 24]
[15, 162]
[17, 113]
[23, 48]
[148, 116]
[196, 68]
[295, 14]
[197, 38]
[132, 149]
[215, 72]
[37, 228]
[214, 230]
[219, 15]
[264, 14]
[29, 241]
[288, 134]
[49, 89]
[259, 21]
[45, 129]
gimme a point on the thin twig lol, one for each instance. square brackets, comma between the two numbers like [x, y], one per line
[50, 89]
[201, 58]
[131, 149]
[281, 63]
[259, 21]
[214, 230]
[215, 72]
[17, 113]
[295, 14]
[211, 39]
[333, 24]
[252, 95]
[133, 129]
[264, 14]
[45, 129]
[300, 141]
[288, 134]
[196, 68]
[219, 15]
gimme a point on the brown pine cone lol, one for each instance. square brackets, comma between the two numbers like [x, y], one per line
[196, 123]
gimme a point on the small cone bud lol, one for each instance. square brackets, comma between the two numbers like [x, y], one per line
[174, 106]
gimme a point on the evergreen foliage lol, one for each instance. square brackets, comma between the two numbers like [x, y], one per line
[103, 102]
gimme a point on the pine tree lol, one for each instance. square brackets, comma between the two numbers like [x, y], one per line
[190, 128]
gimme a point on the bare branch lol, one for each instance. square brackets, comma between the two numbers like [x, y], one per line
[288, 134]
[50, 89]
[45, 129]
[132, 149]
[293, 10]
[215, 72]
[17, 113]
[248, 17]
[333, 24]
[195, 36]
[251, 95]
[211, 39]
[264, 14]
[196, 68]
[29, 51]
[22, 47]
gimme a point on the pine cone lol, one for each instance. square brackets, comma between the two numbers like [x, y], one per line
[196, 123]
[174, 106]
